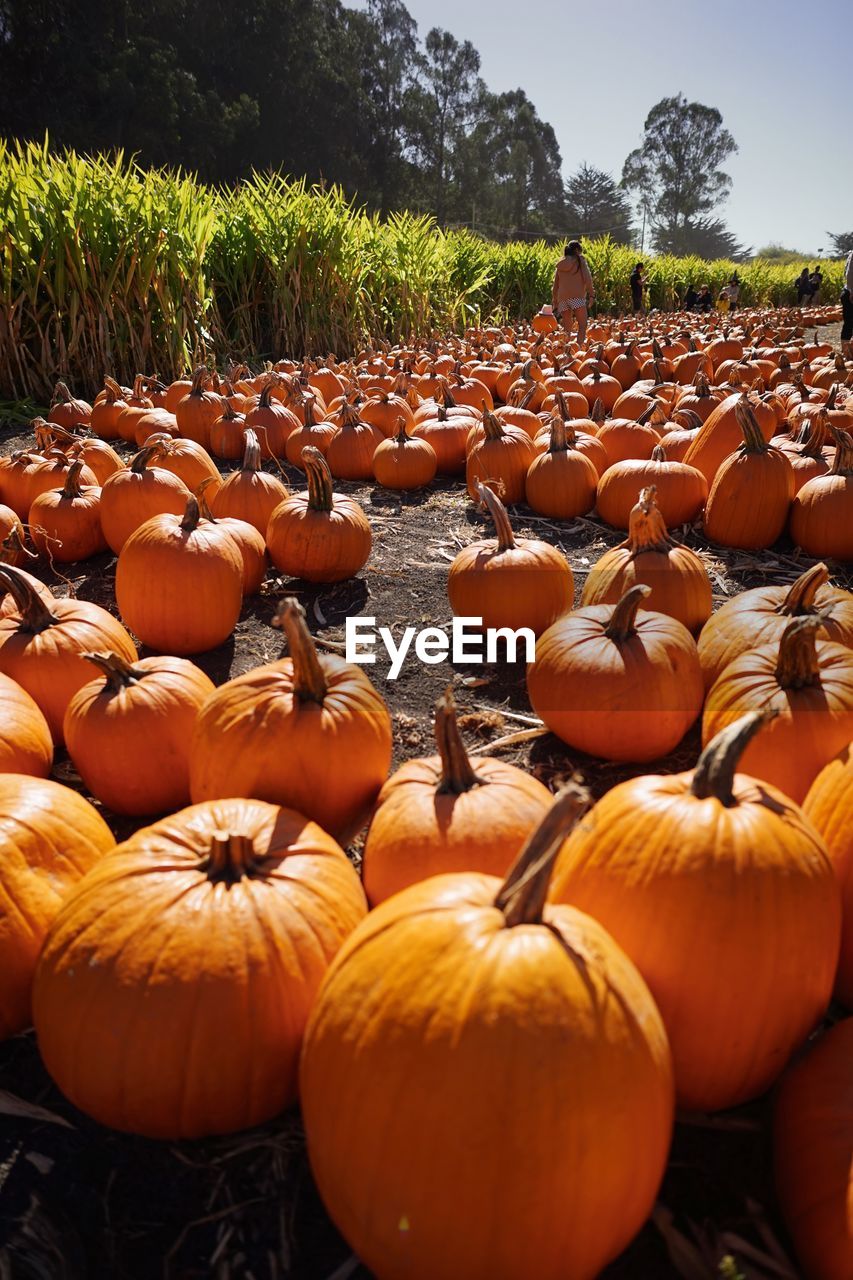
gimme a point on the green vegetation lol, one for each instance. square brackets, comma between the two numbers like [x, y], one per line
[110, 267]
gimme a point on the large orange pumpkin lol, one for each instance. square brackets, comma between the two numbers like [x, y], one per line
[813, 1155]
[174, 987]
[829, 807]
[319, 535]
[617, 684]
[486, 1084]
[309, 731]
[703, 877]
[25, 742]
[448, 813]
[50, 838]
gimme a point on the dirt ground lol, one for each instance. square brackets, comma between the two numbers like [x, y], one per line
[77, 1200]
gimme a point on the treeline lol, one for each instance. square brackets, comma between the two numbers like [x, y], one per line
[302, 87]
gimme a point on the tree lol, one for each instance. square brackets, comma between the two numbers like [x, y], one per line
[595, 206]
[676, 172]
[442, 105]
[390, 70]
[842, 244]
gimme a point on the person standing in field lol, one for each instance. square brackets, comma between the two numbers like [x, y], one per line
[815, 281]
[847, 309]
[573, 290]
[638, 283]
[803, 286]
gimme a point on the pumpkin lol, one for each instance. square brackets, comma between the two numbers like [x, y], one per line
[43, 640]
[18, 474]
[508, 582]
[829, 807]
[189, 462]
[722, 434]
[50, 838]
[589, 445]
[561, 482]
[199, 409]
[748, 503]
[760, 616]
[813, 1155]
[67, 412]
[226, 433]
[702, 877]
[137, 493]
[446, 813]
[821, 518]
[179, 582]
[137, 405]
[106, 410]
[129, 734]
[679, 582]
[25, 742]
[65, 524]
[249, 542]
[809, 683]
[154, 422]
[12, 547]
[272, 422]
[351, 449]
[622, 439]
[326, 741]
[447, 432]
[616, 685]
[501, 459]
[313, 434]
[404, 461]
[432, 1160]
[174, 986]
[385, 411]
[680, 491]
[319, 535]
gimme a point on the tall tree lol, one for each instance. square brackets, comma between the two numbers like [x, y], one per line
[442, 105]
[842, 243]
[595, 205]
[390, 70]
[676, 173]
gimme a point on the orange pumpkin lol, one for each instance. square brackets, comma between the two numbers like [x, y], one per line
[226, 914]
[561, 482]
[136, 494]
[829, 807]
[680, 491]
[25, 743]
[318, 535]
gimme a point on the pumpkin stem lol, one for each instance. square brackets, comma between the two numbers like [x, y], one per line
[120, 674]
[457, 772]
[492, 426]
[559, 439]
[309, 682]
[319, 478]
[798, 666]
[71, 488]
[61, 395]
[754, 441]
[402, 435]
[842, 464]
[35, 615]
[231, 857]
[522, 895]
[13, 545]
[146, 454]
[498, 512]
[199, 379]
[622, 624]
[598, 413]
[715, 771]
[251, 451]
[647, 529]
[113, 390]
[192, 515]
[800, 597]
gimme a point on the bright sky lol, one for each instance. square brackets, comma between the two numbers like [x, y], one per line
[780, 71]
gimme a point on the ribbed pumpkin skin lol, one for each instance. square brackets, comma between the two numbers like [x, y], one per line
[821, 520]
[502, 463]
[556, 1155]
[756, 617]
[749, 500]
[829, 807]
[680, 585]
[25, 742]
[255, 738]
[131, 744]
[251, 496]
[813, 725]
[528, 585]
[699, 894]
[129, 499]
[419, 831]
[172, 1005]
[813, 1146]
[198, 577]
[50, 838]
[720, 435]
[633, 701]
[681, 490]
[48, 664]
[561, 484]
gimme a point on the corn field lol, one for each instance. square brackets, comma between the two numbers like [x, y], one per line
[108, 267]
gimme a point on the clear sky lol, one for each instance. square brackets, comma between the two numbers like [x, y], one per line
[780, 71]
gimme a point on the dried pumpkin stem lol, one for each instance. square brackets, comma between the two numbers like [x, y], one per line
[492, 426]
[319, 477]
[13, 545]
[457, 772]
[800, 597]
[231, 857]
[798, 666]
[120, 674]
[647, 529]
[500, 518]
[622, 624]
[192, 515]
[715, 772]
[146, 455]
[35, 615]
[309, 681]
[72, 488]
[754, 441]
[522, 895]
[251, 452]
